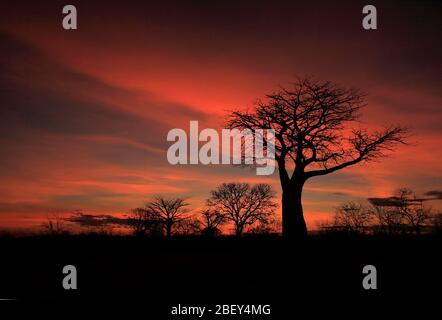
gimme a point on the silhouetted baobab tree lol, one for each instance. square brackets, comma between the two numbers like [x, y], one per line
[314, 136]
[169, 211]
[242, 204]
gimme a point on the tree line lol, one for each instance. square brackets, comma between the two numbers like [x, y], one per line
[402, 213]
[251, 209]
[244, 206]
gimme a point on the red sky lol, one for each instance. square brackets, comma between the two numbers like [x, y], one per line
[85, 113]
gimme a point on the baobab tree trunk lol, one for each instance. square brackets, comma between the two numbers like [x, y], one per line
[168, 229]
[293, 223]
[239, 230]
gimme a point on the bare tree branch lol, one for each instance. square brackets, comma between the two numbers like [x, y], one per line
[242, 204]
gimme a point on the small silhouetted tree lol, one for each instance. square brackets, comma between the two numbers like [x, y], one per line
[261, 228]
[55, 225]
[144, 222]
[211, 221]
[401, 212]
[412, 209]
[315, 134]
[190, 226]
[388, 218]
[242, 204]
[352, 217]
[168, 210]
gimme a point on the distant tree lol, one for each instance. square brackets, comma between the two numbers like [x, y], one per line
[212, 220]
[352, 217]
[437, 223]
[55, 225]
[412, 209]
[402, 212]
[315, 135]
[242, 204]
[169, 211]
[325, 225]
[190, 226]
[388, 218]
[261, 228]
[144, 222]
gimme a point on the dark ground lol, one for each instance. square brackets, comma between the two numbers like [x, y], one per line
[157, 273]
